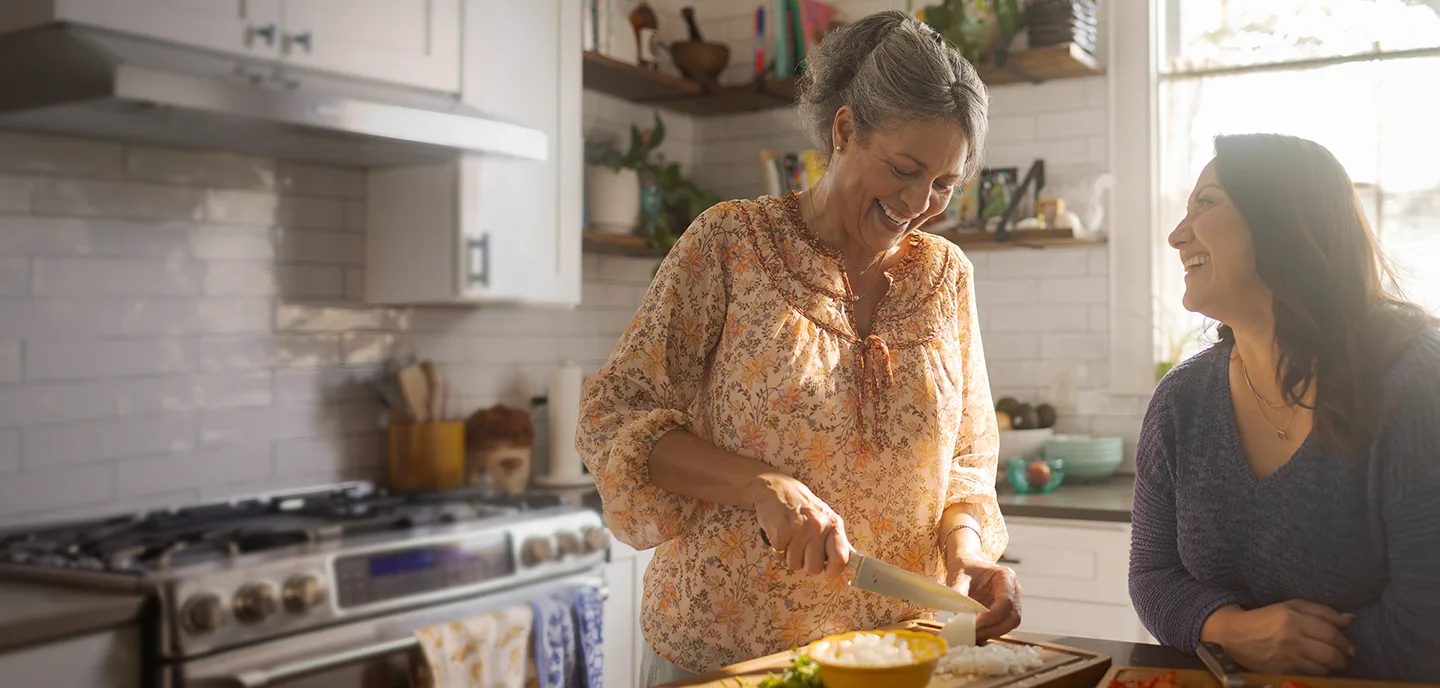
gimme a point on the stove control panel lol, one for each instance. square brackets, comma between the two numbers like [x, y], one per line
[365, 579]
[267, 598]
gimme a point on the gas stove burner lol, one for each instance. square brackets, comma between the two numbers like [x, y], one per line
[165, 540]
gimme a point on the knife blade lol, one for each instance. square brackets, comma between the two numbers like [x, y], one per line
[891, 581]
[887, 580]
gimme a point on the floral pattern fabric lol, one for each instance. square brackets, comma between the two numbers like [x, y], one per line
[489, 650]
[745, 339]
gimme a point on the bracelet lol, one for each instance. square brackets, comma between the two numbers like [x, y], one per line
[945, 541]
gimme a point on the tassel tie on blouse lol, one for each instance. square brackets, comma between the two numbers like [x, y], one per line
[872, 360]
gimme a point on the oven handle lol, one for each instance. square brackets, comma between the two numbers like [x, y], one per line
[265, 677]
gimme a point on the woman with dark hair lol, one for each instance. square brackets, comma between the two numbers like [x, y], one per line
[1287, 495]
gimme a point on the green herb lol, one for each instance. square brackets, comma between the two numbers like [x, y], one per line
[803, 673]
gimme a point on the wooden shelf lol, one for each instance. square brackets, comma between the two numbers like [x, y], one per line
[1066, 61]
[1023, 238]
[637, 247]
[616, 244]
[629, 82]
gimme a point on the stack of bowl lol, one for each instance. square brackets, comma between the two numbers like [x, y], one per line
[1087, 459]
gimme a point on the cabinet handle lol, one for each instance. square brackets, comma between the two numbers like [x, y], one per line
[478, 249]
[266, 32]
[300, 39]
[1008, 560]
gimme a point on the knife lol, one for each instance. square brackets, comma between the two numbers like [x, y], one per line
[1224, 669]
[873, 575]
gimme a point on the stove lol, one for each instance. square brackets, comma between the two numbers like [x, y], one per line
[332, 561]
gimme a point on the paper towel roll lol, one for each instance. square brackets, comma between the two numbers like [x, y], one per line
[564, 411]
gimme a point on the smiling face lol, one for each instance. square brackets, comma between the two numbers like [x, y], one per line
[1218, 252]
[893, 181]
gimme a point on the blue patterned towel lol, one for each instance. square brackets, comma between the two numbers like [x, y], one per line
[556, 656]
[589, 615]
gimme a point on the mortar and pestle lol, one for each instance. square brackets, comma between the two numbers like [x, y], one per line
[697, 59]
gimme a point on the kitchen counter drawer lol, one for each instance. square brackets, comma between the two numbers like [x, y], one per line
[1088, 619]
[1082, 561]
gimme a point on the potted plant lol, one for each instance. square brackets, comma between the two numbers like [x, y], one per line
[680, 200]
[981, 29]
[612, 182]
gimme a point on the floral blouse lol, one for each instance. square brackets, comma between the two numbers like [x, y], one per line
[746, 340]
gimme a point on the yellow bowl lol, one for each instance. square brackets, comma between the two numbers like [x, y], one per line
[927, 648]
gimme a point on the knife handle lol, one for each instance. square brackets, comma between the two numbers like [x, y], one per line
[1220, 665]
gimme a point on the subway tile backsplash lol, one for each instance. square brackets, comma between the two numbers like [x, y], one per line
[179, 325]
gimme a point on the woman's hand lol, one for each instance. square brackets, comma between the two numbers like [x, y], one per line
[1291, 637]
[801, 527]
[992, 585]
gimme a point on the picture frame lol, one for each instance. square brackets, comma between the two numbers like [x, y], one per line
[997, 192]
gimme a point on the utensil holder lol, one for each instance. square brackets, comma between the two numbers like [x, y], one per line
[426, 456]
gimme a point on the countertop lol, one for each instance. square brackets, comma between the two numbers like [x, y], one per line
[1111, 500]
[1122, 653]
[32, 613]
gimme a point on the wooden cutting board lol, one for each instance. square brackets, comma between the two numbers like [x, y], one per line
[1195, 678]
[1065, 667]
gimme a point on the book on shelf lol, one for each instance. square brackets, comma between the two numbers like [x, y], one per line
[791, 171]
[595, 31]
[790, 29]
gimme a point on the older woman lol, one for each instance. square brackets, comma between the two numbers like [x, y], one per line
[1287, 496]
[809, 366]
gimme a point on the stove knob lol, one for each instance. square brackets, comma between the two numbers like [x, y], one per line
[537, 550]
[203, 613]
[570, 544]
[597, 538]
[302, 593]
[255, 602]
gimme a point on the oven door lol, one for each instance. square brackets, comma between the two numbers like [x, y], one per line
[372, 653]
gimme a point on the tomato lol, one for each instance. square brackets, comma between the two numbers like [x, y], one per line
[1166, 680]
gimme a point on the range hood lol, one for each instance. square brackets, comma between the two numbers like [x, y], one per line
[70, 80]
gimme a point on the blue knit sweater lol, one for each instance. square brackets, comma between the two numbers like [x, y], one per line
[1358, 533]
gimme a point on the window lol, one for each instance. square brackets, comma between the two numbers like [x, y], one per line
[1357, 76]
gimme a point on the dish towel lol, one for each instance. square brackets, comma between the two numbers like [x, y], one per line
[569, 639]
[556, 651]
[589, 615]
[488, 650]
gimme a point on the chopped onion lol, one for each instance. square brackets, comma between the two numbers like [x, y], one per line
[959, 630]
[867, 650]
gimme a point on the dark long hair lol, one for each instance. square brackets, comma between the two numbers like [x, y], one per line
[1337, 326]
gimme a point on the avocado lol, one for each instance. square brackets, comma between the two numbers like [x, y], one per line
[1007, 405]
[1024, 418]
[1045, 414]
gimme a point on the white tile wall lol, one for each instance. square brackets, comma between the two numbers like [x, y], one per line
[182, 325]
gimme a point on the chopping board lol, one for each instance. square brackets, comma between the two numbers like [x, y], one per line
[1065, 667]
[1195, 678]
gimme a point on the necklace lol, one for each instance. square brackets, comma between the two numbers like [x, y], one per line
[1281, 433]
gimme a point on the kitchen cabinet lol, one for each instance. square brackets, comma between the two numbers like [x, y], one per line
[238, 27]
[1074, 576]
[625, 576]
[413, 43]
[408, 42]
[104, 659]
[492, 228]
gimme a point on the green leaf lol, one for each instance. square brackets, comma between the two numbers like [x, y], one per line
[657, 133]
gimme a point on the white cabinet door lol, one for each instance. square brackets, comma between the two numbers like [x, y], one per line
[522, 65]
[1073, 575]
[408, 42]
[239, 27]
[622, 632]
[493, 228]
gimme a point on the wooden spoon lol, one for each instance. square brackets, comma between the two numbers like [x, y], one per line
[415, 386]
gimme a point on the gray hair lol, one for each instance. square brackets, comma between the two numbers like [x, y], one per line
[892, 69]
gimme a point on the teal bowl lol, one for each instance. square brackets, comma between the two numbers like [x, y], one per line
[1087, 459]
[1017, 474]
